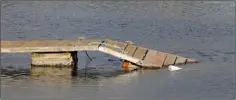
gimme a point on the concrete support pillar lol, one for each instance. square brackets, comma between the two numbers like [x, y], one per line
[128, 66]
[54, 64]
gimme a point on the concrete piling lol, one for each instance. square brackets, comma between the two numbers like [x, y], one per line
[54, 64]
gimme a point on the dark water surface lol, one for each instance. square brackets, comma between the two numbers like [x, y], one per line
[202, 30]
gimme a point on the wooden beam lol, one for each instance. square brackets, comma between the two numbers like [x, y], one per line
[48, 46]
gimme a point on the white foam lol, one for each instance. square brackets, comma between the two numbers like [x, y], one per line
[173, 68]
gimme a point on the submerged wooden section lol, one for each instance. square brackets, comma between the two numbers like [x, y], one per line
[140, 56]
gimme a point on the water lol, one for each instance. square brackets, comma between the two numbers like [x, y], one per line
[203, 30]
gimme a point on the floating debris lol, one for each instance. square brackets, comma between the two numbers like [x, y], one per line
[173, 68]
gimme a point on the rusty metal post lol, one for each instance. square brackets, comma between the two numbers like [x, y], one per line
[54, 64]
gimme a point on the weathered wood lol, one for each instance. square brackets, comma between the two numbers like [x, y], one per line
[161, 58]
[140, 53]
[119, 55]
[180, 60]
[47, 46]
[116, 46]
[130, 50]
[95, 42]
[154, 59]
[170, 60]
[192, 61]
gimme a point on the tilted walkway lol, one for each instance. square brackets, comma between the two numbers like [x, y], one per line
[138, 55]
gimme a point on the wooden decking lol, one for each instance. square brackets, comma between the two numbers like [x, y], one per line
[138, 55]
[48, 46]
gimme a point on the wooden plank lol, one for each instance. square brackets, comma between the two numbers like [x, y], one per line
[116, 46]
[118, 55]
[161, 58]
[130, 50]
[140, 53]
[154, 59]
[75, 43]
[170, 60]
[37, 43]
[180, 60]
[46, 46]
[119, 44]
[192, 61]
[95, 42]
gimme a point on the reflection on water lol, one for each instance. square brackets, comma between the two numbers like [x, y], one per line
[84, 78]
